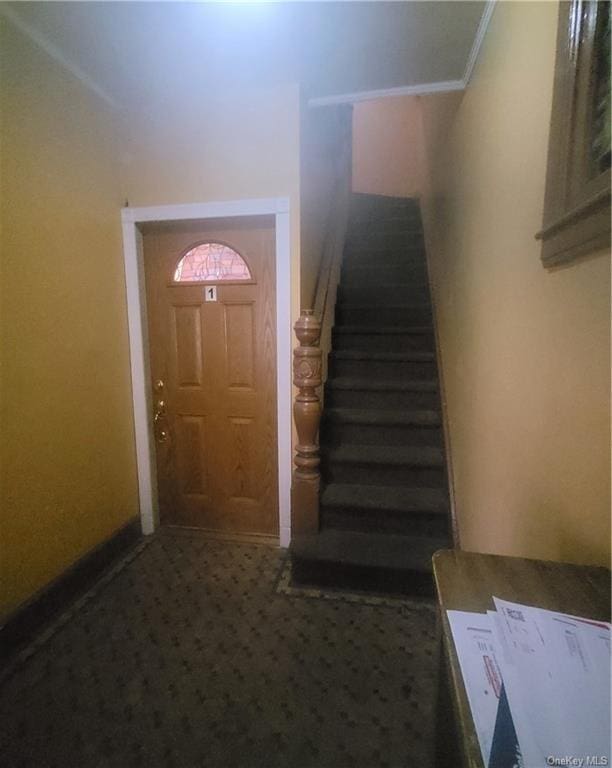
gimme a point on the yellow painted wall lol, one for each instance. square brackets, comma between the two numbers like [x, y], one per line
[67, 458]
[525, 350]
[386, 142]
[68, 165]
[229, 145]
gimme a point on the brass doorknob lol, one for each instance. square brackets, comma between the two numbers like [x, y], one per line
[159, 413]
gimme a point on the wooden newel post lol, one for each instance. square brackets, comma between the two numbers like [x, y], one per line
[307, 414]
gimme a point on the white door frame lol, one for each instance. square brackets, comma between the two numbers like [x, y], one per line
[139, 346]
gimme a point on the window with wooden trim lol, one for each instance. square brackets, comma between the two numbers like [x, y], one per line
[211, 263]
[577, 202]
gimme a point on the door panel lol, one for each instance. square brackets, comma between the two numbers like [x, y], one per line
[240, 343]
[216, 428]
[243, 444]
[192, 458]
[186, 325]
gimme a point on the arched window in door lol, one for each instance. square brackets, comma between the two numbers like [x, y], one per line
[211, 262]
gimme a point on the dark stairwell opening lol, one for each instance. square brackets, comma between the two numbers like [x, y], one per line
[384, 501]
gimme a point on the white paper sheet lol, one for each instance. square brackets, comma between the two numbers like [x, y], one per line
[556, 671]
[474, 643]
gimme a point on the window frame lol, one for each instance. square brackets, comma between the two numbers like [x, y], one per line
[576, 219]
[186, 283]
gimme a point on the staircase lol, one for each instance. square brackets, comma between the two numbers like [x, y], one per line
[384, 505]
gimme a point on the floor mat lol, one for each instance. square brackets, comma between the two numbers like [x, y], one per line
[286, 586]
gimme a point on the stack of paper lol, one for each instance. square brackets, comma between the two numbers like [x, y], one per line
[538, 684]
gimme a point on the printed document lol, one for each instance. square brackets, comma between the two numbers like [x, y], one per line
[474, 642]
[556, 672]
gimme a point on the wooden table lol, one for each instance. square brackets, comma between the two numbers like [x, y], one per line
[466, 581]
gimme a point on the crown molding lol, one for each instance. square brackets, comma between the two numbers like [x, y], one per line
[422, 89]
[478, 40]
[54, 53]
[323, 101]
[404, 90]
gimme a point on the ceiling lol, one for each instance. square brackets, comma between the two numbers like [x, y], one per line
[143, 53]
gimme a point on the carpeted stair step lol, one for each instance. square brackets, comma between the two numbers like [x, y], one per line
[407, 267]
[396, 338]
[384, 505]
[421, 466]
[357, 560]
[396, 268]
[387, 221]
[363, 203]
[379, 208]
[375, 211]
[407, 255]
[397, 242]
[414, 292]
[387, 394]
[377, 272]
[350, 313]
[388, 509]
[411, 263]
[388, 226]
[354, 363]
[355, 426]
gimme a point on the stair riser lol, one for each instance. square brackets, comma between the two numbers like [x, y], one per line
[397, 227]
[383, 474]
[383, 369]
[364, 293]
[346, 398]
[407, 246]
[412, 257]
[377, 291]
[316, 574]
[374, 241]
[362, 207]
[375, 521]
[410, 270]
[381, 210]
[388, 220]
[377, 342]
[382, 275]
[334, 432]
[382, 315]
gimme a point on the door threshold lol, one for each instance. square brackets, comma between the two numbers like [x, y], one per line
[238, 538]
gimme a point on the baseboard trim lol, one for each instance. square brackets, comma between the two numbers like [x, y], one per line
[22, 625]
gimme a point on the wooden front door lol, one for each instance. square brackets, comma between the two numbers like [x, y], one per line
[212, 337]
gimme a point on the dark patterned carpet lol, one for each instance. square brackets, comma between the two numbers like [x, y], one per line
[195, 653]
